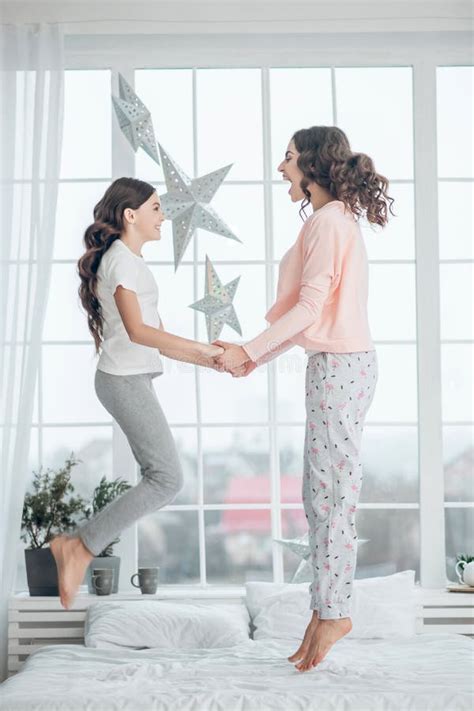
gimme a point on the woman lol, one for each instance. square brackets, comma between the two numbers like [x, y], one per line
[322, 306]
[120, 296]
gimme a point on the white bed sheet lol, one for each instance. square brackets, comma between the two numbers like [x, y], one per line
[423, 673]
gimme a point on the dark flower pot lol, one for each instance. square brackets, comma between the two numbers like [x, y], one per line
[41, 572]
[110, 561]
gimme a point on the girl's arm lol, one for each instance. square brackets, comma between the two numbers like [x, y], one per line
[168, 344]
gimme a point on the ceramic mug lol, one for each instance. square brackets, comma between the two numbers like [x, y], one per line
[102, 580]
[147, 580]
[467, 575]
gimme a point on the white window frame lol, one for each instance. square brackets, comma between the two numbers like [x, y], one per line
[123, 54]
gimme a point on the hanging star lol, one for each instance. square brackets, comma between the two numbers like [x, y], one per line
[217, 304]
[135, 120]
[300, 546]
[187, 204]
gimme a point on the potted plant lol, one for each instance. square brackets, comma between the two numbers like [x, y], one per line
[103, 494]
[47, 511]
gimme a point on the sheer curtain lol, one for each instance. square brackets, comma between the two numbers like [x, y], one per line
[31, 120]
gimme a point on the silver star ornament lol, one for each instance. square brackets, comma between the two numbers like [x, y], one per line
[186, 204]
[217, 304]
[135, 120]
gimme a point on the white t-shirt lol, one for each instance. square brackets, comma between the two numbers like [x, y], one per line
[120, 356]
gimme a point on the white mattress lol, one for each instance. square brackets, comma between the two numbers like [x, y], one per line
[423, 673]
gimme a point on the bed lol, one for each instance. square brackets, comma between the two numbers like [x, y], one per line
[401, 671]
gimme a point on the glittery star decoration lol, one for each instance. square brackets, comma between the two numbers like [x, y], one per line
[135, 120]
[187, 204]
[300, 546]
[217, 304]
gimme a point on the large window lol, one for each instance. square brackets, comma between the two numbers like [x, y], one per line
[455, 204]
[241, 441]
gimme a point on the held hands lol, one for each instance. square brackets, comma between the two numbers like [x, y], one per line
[234, 360]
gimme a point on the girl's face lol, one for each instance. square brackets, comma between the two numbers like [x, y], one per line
[291, 172]
[149, 218]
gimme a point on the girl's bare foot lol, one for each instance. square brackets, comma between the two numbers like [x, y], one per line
[324, 636]
[72, 559]
[305, 644]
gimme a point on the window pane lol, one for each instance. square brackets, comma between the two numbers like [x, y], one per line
[74, 214]
[68, 385]
[458, 455]
[456, 299]
[291, 375]
[241, 208]
[65, 318]
[186, 443]
[389, 464]
[300, 98]
[392, 318]
[167, 94]
[176, 391]
[459, 525]
[393, 542]
[395, 398]
[226, 133]
[291, 449]
[455, 121]
[236, 465]
[238, 546]
[91, 445]
[293, 525]
[456, 219]
[389, 541]
[170, 541]
[175, 294]
[228, 399]
[374, 109]
[456, 375]
[397, 239]
[249, 301]
[87, 148]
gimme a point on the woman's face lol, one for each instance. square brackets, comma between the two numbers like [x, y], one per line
[291, 172]
[149, 218]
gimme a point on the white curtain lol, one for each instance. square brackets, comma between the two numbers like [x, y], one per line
[31, 120]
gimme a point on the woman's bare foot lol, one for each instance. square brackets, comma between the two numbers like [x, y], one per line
[305, 644]
[324, 636]
[72, 559]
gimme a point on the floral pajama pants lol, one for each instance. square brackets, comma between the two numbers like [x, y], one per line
[339, 390]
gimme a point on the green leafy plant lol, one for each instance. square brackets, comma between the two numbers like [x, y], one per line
[51, 508]
[103, 494]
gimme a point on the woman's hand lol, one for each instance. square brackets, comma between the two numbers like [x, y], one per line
[233, 357]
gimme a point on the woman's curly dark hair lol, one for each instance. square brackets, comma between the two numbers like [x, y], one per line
[326, 159]
[107, 227]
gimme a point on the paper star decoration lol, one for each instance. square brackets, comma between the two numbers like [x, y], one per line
[187, 204]
[300, 546]
[135, 120]
[217, 304]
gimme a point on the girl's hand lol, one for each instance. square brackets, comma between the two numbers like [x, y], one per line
[208, 355]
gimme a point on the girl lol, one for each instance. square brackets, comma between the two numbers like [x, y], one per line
[120, 295]
[322, 306]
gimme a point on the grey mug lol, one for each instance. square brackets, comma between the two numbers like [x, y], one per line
[147, 580]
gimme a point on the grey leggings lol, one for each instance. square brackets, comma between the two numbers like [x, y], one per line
[132, 402]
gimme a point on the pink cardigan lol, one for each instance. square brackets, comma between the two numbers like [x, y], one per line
[322, 290]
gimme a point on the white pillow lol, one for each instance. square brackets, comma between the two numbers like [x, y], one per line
[165, 624]
[381, 607]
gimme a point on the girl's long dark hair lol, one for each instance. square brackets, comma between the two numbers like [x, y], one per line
[326, 159]
[107, 227]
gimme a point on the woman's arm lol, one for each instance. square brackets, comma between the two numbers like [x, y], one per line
[171, 346]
